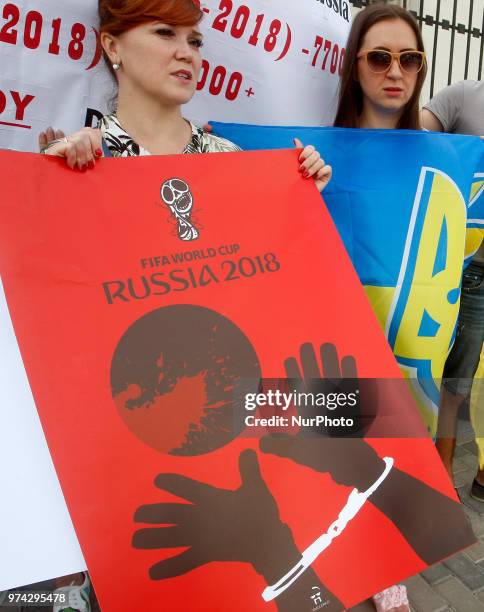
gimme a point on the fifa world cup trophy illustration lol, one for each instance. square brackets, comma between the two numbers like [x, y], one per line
[176, 194]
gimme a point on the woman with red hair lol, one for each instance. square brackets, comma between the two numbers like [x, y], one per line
[152, 48]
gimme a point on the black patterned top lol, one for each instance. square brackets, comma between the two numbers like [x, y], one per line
[120, 143]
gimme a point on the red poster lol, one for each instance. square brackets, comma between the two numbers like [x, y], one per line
[149, 296]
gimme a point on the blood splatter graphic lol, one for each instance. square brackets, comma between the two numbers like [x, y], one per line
[177, 375]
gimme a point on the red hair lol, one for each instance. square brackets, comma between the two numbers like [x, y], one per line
[118, 16]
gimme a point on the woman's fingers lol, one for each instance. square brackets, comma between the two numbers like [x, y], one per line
[313, 166]
[42, 141]
[311, 161]
[50, 134]
[80, 150]
[87, 141]
[323, 176]
[70, 153]
[46, 137]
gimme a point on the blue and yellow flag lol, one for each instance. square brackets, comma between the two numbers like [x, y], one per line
[409, 207]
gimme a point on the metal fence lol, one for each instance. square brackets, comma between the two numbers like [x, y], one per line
[453, 32]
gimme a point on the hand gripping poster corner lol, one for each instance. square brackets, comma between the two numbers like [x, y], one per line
[149, 299]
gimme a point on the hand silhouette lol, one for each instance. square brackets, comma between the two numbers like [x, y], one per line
[351, 461]
[408, 502]
[218, 524]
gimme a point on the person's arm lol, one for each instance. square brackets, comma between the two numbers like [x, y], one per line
[431, 122]
[442, 112]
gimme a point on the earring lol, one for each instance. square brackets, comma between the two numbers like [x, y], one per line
[116, 66]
